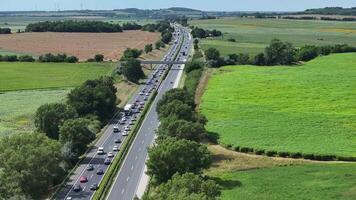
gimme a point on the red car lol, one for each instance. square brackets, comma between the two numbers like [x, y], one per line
[83, 179]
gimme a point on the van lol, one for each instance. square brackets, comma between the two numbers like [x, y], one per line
[100, 151]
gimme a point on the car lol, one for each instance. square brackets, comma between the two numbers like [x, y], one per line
[116, 129]
[90, 167]
[100, 151]
[142, 103]
[145, 99]
[77, 188]
[94, 186]
[141, 93]
[125, 133]
[117, 140]
[147, 94]
[100, 172]
[134, 118]
[131, 122]
[83, 179]
[110, 155]
[107, 161]
[156, 81]
[69, 198]
[115, 148]
[124, 119]
[172, 82]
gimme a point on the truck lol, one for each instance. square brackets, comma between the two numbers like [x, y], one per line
[128, 109]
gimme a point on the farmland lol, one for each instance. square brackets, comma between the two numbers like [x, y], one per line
[82, 45]
[311, 181]
[253, 35]
[24, 76]
[308, 108]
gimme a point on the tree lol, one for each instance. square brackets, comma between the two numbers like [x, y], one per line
[259, 59]
[196, 41]
[159, 44]
[185, 186]
[95, 97]
[193, 66]
[243, 59]
[132, 70]
[71, 59]
[30, 164]
[76, 132]
[181, 129]
[49, 117]
[148, 48]
[166, 37]
[26, 58]
[99, 58]
[178, 109]
[212, 54]
[308, 52]
[172, 156]
[131, 53]
[279, 53]
[176, 94]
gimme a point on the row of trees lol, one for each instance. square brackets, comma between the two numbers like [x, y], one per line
[48, 58]
[162, 26]
[176, 161]
[202, 33]
[277, 53]
[57, 58]
[73, 26]
[5, 31]
[15, 58]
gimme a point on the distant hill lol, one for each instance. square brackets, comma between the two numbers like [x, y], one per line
[332, 11]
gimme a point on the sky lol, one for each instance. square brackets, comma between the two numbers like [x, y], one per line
[206, 5]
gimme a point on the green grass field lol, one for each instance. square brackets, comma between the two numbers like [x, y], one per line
[309, 182]
[23, 76]
[18, 107]
[253, 35]
[309, 108]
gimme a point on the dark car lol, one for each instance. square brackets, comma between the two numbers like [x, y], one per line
[90, 167]
[107, 161]
[94, 186]
[117, 140]
[100, 172]
[77, 188]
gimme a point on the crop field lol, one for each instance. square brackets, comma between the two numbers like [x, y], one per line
[311, 181]
[253, 35]
[24, 76]
[82, 45]
[18, 107]
[308, 109]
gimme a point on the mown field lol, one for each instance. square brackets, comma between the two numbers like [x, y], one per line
[23, 76]
[308, 109]
[253, 35]
[311, 181]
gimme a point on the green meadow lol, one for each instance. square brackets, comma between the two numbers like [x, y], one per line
[24, 76]
[311, 181]
[253, 35]
[308, 108]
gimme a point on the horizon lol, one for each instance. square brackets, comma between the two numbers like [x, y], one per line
[208, 5]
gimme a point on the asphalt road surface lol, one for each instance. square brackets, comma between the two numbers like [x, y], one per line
[128, 177]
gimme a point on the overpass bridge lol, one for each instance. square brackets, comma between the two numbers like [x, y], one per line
[161, 62]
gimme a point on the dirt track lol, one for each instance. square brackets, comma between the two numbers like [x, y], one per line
[82, 45]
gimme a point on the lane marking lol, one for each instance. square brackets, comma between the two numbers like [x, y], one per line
[127, 179]
[136, 158]
[122, 191]
[132, 167]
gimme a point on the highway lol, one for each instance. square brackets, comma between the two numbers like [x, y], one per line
[135, 160]
[128, 178]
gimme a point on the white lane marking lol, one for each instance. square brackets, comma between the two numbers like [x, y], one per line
[132, 167]
[139, 149]
[143, 141]
[136, 158]
[127, 179]
[84, 188]
[122, 191]
[91, 176]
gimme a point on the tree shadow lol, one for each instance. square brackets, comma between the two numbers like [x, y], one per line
[227, 184]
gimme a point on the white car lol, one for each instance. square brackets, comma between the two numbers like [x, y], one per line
[125, 133]
[141, 93]
[147, 94]
[116, 129]
[115, 148]
[110, 155]
[131, 122]
[127, 128]
[100, 151]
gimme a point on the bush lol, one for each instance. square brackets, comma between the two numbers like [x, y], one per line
[9, 58]
[283, 154]
[5, 31]
[296, 155]
[194, 65]
[231, 40]
[57, 58]
[308, 156]
[26, 58]
[71, 59]
[324, 157]
[212, 54]
[280, 53]
[259, 152]
[345, 158]
[307, 53]
[271, 153]
[237, 148]
[99, 58]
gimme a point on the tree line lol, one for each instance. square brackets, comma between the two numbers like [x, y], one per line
[31, 163]
[73, 26]
[277, 53]
[202, 33]
[5, 31]
[49, 57]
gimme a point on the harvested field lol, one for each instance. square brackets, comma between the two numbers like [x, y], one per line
[82, 45]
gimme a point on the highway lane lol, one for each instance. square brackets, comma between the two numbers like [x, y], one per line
[128, 178]
[108, 141]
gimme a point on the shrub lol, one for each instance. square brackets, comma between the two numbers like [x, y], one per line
[237, 148]
[324, 157]
[308, 156]
[259, 152]
[295, 155]
[271, 153]
[99, 58]
[345, 158]
[71, 59]
[26, 58]
[283, 154]
[9, 58]
[231, 40]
